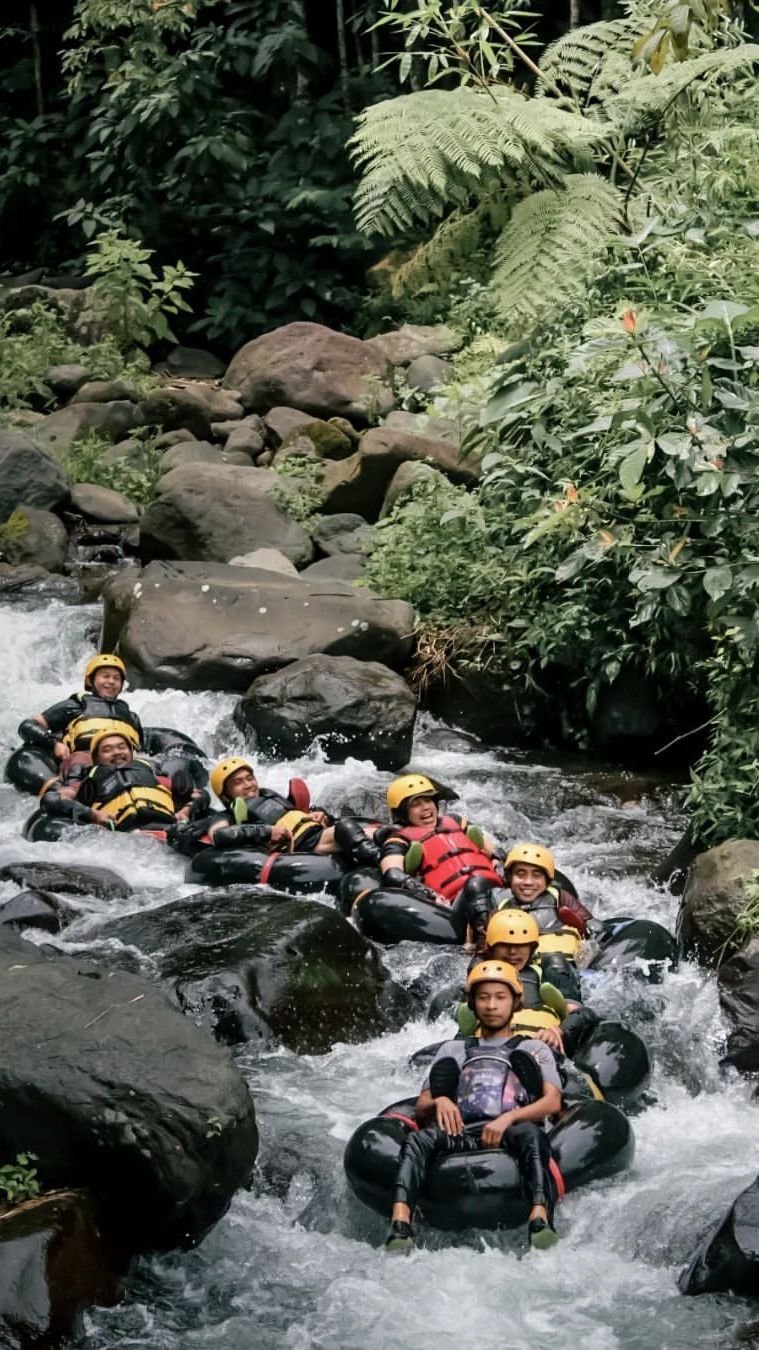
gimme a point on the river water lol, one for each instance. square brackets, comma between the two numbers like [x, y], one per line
[297, 1262]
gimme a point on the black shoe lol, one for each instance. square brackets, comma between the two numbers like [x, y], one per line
[541, 1234]
[400, 1239]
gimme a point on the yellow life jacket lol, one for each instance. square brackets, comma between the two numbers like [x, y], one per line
[298, 823]
[565, 943]
[132, 791]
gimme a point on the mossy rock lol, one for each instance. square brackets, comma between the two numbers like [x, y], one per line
[716, 334]
[328, 440]
[15, 528]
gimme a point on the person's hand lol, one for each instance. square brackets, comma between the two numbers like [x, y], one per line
[448, 1116]
[320, 817]
[281, 838]
[551, 1036]
[100, 818]
[495, 1129]
[184, 814]
[60, 750]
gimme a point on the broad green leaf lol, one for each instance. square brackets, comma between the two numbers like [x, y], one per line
[658, 578]
[717, 581]
[572, 565]
[631, 468]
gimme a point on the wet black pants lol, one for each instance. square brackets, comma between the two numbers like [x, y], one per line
[525, 1141]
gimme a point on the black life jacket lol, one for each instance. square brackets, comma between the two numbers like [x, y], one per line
[271, 808]
[132, 796]
[95, 712]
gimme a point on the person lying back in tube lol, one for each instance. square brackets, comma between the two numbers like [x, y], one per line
[120, 791]
[259, 818]
[494, 1091]
[530, 872]
[65, 730]
[437, 858]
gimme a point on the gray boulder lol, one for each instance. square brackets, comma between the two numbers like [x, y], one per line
[192, 407]
[357, 708]
[37, 537]
[102, 504]
[117, 1093]
[106, 391]
[360, 482]
[131, 451]
[190, 452]
[268, 560]
[252, 965]
[66, 879]
[714, 896]
[193, 363]
[402, 345]
[739, 999]
[340, 566]
[428, 372]
[343, 533]
[219, 511]
[179, 436]
[282, 423]
[62, 429]
[28, 475]
[66, 379]
[246, 435]
[308, 366]
[727, 1259]
[208, 626]
[19, 583]
[426, 426]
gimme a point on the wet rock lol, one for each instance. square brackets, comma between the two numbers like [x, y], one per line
[739, 999]
[106, 391]
[357, 708]
[66, 379]
[250, 964]
[217, 512]
[342, 533]
[340, 567]
[208, 626]
[360, 482]
[428, 372]
[404, 479]
[117, 1093]
[36, 909]
[28, 475]
[308, 366]
[66, 879]
[36, 537]
[727, 1259]
[193, 407]
[673, 871]
[102, 504]
[27, 581]
[403, 345]
[190, 452]
[54, 1265]
[193, 363]
[62, 429]
[714, 896]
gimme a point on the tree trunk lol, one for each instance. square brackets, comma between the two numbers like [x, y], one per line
[342, 50]
[574, 13]
[37, 57]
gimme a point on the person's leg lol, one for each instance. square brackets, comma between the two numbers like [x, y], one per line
[528, 1145]
[472, 908]
[420, 1149]
[354, 839]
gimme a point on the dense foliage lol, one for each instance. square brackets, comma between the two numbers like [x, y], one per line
[615, 528]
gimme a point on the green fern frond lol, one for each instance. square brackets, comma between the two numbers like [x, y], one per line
[422, 153]
[548, 250]
[449, 252]
[645, 99]
[577, 62]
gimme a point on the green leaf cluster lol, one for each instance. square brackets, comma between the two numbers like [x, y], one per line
[86, 463]
[18, 1180]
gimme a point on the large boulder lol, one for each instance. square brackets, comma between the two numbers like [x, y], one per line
[714, 896]
[313, 368]
[28, 475]
[103, 505]
[739, 998]
[727, 1259]
[18, 583]
[359, 483]
[205, 626]
[219, 511]
[251, 965]
[403, 345]
[246, 435]
[54, 1265]
[190, 452]
[193, 408]
[64, 380]
[339, 566]
[342, 533]
[33, 536]
[106, 391]
[355, 708]
[193, 363]
[66, 878]
[428, 372]
[117, 1093]
[59, 431]
[425, 425]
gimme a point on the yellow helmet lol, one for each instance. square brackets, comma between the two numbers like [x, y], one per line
[498, 971]
[224, 769]
[104, 660]
[401, 790]
[122, 729]
[534, 854]
[512, 925]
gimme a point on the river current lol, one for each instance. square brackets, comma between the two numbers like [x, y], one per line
[297, 1262]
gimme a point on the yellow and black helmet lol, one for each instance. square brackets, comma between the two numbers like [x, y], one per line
[121, 729]
[499, 972]
[535, 855]
[513, 926]
[103, 661]
[402, 790]
[224, 770]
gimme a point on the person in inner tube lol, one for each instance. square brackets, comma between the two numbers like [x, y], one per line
[121, 792]
[260, 818]
[530, 870]
[65, 729]
[495, 1091]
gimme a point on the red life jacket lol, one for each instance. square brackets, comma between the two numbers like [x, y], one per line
[449, 858]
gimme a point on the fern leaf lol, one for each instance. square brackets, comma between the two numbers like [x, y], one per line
[547, 251]
[580, 62]
[449, 252]
[421, 154]
[645, 99]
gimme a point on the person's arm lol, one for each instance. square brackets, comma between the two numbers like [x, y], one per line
[550, 1036]
[546, 1105]
[224, 835]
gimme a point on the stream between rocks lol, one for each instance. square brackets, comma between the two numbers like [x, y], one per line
[297, 1262]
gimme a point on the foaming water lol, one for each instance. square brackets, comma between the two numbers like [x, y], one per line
[297, 1263]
